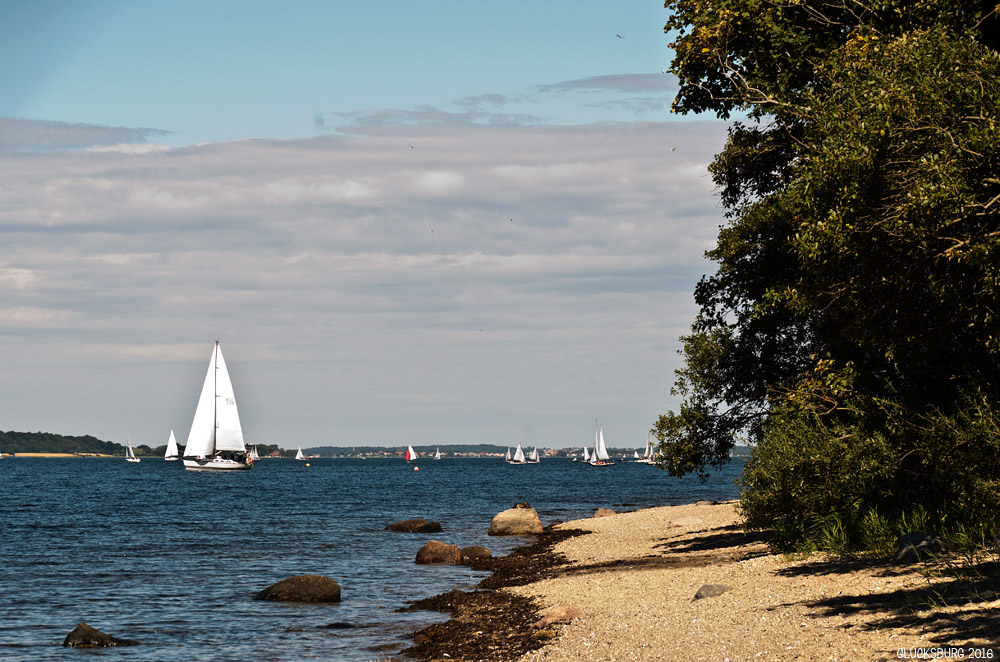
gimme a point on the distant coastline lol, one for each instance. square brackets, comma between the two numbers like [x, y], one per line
[58, 455]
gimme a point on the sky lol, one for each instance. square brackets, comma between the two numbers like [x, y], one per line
[426, 223]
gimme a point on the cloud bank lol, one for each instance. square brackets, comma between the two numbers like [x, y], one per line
[400, 281]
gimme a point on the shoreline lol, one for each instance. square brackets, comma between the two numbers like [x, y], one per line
[632, 579]
[61, 455]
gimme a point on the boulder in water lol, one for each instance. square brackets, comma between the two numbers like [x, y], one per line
[436, 552]
[302, 588]
[474, 553]
[417, 525]
[521, 520]
[604, 512]
[84, 636]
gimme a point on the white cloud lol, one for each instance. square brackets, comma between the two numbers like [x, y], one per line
[491, 278]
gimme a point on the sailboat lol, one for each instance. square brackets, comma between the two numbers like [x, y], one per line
[601, 457]
[129, 453]
[299, 455]
[254, 456]
[518, 456]
[172, 452]
[411, 454]
[586, 454]
[507, 457]
[215, 442]
[437, 453]
[533, 456]
[647, 455]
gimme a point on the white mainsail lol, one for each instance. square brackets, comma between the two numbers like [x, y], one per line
[600, 450]
[216, 424]
[299, 455]
[172, 451]
[129, 453]
[518, 454]
[586, 454]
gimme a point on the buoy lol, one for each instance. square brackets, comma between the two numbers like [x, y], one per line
[307, 464]
[416, 468]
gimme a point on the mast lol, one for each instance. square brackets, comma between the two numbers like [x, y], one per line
[215, 400]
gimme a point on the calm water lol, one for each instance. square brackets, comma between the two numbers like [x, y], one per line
[173, 558]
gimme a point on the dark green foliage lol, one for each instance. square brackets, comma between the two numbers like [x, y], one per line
[45, 442]
[851, 331]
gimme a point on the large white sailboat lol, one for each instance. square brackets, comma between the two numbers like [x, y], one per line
[299, 455]
[129, 453]
[215, 442]
[173, 453]
[600, 457]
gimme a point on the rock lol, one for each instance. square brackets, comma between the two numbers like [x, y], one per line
[916, 546]
[437, 552]
[418, 525]
[703, 502]
[474, 553]
[557, 614]
[521, 520]
[84, 636]
[604, 512]
[712, 591]
[302, 588]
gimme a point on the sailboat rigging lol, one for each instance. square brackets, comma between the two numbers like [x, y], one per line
[215, 442]
[600, 457]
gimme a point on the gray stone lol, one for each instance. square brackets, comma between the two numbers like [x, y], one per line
[302, 588]
[916, 546]
[712, 591]
[84, 636]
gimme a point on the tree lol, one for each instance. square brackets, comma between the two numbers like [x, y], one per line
[857, 291]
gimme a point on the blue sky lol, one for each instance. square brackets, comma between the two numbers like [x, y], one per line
[435, 222]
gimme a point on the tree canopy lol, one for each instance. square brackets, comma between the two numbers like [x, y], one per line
[855, 306]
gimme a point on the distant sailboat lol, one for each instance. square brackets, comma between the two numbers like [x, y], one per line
[253, 454]
[586, 454]
[533, 456]
[411, 454]
[129, 453]
[647, 455]
[215, 442]
[172, 451]
[437, 453]
[299, 454]
[518, 456]
[601, 457]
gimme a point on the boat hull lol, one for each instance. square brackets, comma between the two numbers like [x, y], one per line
[214, 464]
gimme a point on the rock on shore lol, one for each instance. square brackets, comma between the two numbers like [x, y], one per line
[520, 520]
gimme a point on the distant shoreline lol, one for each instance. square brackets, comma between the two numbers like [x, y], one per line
[59, 455]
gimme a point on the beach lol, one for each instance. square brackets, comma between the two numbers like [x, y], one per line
[632, 579]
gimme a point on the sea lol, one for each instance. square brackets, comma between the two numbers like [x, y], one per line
[172, 558]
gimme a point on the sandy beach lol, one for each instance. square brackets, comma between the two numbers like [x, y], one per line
[632, 578]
